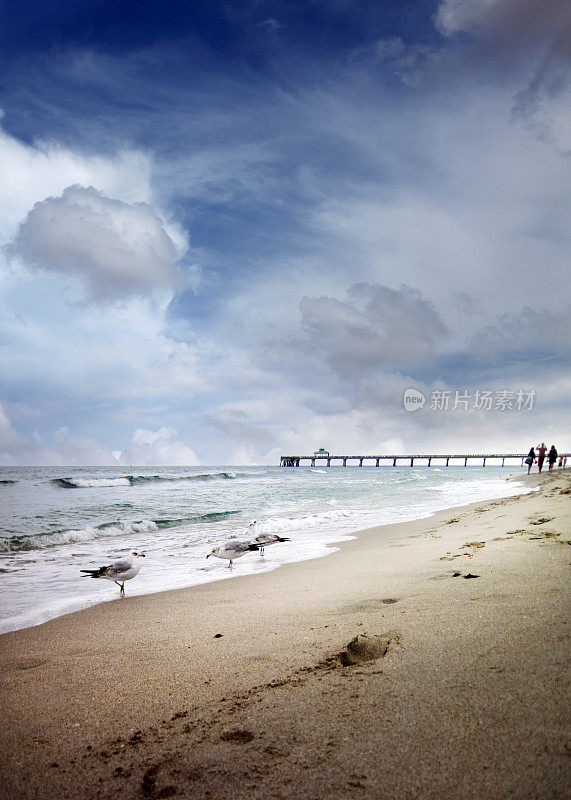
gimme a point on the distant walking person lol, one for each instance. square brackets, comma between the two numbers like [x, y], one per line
[552, 457]
[541, 451]
[530, 460]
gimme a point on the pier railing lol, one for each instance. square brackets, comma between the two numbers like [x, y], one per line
[406, 460]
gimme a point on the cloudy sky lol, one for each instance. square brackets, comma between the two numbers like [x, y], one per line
[236, 229]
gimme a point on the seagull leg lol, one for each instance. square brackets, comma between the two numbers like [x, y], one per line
[230, 564]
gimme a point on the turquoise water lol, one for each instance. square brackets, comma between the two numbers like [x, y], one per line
[55, 521]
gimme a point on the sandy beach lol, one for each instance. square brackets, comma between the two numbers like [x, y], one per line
[434, 667]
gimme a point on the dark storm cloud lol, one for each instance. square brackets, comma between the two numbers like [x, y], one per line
[527, 335]
[529, 35]
[375, 328]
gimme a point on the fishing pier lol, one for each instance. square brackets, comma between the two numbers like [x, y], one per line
[421, 459]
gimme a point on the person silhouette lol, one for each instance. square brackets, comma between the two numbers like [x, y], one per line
[541, 451]
[552, 457]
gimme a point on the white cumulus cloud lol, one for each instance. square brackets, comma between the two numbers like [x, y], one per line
[33, 172]
[118, 249]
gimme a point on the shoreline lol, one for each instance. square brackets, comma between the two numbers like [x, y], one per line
[63, 607]
[328, 675]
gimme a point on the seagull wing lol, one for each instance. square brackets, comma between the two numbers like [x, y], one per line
[241, 547]
[119, 567]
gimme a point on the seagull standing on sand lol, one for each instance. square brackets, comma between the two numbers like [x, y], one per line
[232, 550]
[119, 571]
[266, 538]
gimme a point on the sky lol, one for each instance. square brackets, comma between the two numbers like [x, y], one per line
[241, 229]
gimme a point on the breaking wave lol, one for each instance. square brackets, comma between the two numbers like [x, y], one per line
[40, 541]
[206, 476]
[133, 480]
[80, 483]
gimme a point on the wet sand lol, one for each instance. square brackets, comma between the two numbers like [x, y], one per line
[432, 667]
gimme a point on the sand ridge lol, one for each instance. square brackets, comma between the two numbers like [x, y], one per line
[382, 671]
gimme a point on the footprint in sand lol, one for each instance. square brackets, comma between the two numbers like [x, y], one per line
[449, 557]
[149, 786]
[237, 735]
[372, 604]
[30, 663]
[459, 575]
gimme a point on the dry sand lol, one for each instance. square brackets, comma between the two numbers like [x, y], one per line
[381, 672]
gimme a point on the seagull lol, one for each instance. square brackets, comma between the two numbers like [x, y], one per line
[119, 571]
[232, 550]
[266, 538]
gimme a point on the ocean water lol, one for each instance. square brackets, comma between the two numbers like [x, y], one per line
[56, 520]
